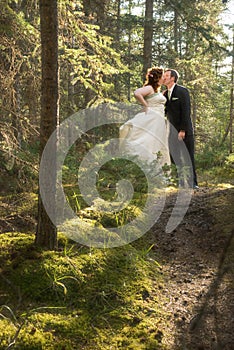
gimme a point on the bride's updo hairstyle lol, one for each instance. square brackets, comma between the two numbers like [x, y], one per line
[152, 77]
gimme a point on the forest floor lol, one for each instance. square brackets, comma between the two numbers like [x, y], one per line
[196, 299]
[198, 264]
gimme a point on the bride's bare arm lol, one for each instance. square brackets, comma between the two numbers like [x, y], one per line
[142, 92]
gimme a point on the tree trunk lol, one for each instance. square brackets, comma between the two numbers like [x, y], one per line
[117, 43]
[46, 234]
[229, 129]
[232, 98]
[176, 30]
[194, 118]
[148, 36]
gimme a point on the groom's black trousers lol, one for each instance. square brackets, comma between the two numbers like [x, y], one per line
[175, 148]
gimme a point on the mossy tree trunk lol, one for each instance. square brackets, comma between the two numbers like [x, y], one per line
[46, 235]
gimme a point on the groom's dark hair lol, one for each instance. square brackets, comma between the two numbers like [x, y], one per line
[174, 74]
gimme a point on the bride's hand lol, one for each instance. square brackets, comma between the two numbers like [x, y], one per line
[181, 135]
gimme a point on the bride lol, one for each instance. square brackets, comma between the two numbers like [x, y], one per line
[145, 135]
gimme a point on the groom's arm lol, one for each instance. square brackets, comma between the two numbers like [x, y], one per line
[185, 109]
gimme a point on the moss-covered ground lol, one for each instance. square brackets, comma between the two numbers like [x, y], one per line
[78, 298]
[88, 298]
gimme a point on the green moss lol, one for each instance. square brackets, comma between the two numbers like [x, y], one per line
[8, 330]
[19, 204]
[92, 297]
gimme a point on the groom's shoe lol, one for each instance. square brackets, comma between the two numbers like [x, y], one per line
[196, 187]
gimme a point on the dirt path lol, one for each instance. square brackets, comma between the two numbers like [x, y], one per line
[198, 262]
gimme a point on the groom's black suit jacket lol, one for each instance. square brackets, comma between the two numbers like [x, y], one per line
[178, 109]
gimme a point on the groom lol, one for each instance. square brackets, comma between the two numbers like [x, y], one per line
[178, 114]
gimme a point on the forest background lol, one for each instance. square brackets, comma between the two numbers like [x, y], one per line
[103, 55]
[104, 49]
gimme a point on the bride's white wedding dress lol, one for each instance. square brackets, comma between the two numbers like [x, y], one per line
[146, 134]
